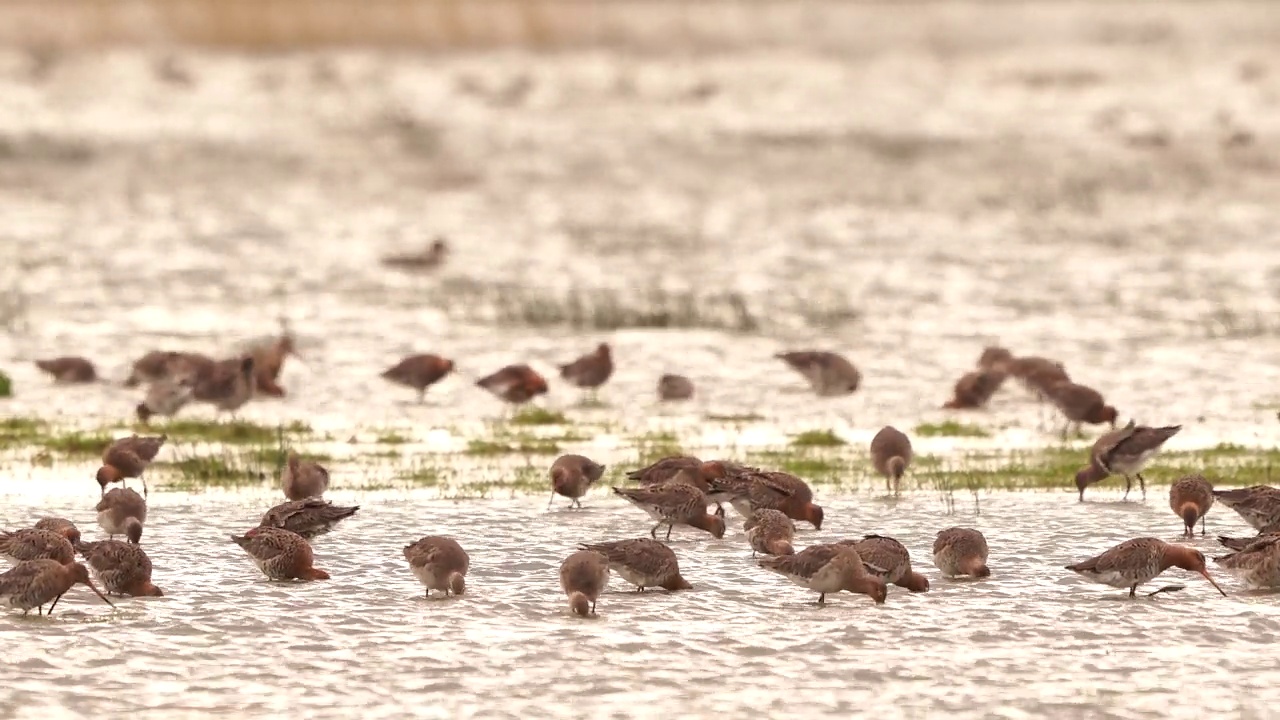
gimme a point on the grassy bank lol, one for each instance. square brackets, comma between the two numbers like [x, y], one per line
[512, 457]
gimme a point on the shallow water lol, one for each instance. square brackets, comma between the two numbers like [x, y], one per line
[1031, 640]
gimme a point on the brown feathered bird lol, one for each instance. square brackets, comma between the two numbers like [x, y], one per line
[643, 562]
[891, 454]
[974, 389]
[583, 577]
[1124, 452]
[69, 370]
[268, 361]
[515, 384]
[439, 563]
[228, 384]
[591, 370]
[1080, 404]
[280, 554]
[419, 372]
[429, 258]
[572, 476]
[1190, 498]
[674, 387]
[828, 374]
[128, 458]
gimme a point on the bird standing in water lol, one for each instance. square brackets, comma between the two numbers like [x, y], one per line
[1135, 562]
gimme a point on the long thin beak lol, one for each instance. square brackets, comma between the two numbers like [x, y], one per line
[1205, 573]
[105, 600]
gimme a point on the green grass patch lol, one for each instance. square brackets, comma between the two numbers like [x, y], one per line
[19, 431]
[77, 443]
[232, 432]
[950, 428]
[534, 415]
[744, 418]
[817, 438]
[392, 437]
[1056, 469]
[818, 466]
[424, 476]
[6, 386]
[515, 446]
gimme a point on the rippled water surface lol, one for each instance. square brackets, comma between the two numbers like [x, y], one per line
[1032, 639]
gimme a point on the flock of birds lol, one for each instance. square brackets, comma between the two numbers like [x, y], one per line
[674, 491]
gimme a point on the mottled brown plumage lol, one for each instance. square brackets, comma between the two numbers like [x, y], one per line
[515, 384]
[36, 544]
[891, 455]
[128, 458]
[769, 532]
[1190, 497]
[62, 526]
[674, 504]
[583, 576]
[309, 517]
[419, 372]
[1038, 374]
[439, 563]
[591, 370]
[123, 568]
[827, 569]
[118, 507]
[34, 583]
[572, 476]
[69, 370]
[892, 560]
[1258, 505]
[750, 489]
[961, 551]
[1243, 542]
[1135, 562]
[166, 397]
[1125, 452]
[280, 554]
[828, 374]
[1256, 564]
[168, 365]
[227, 384]
[1080, 404]
[643, 562]
[675, 387]
[974, 389]
[302, 479]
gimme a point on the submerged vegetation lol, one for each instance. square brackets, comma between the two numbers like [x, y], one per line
[950, 428]
[512, 458]
[818, 438]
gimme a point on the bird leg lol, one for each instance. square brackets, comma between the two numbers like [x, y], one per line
[1133, 591]
[553, 499]
[1166, 588]
[1143, 484]
[653, 533]
[422, 395]
[822, 598]
[144, 487]
[670, 527]
[719, 510]
[1202, 526]
[593, 607]
[1127, 485]
[55, 604]
[577, 502]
